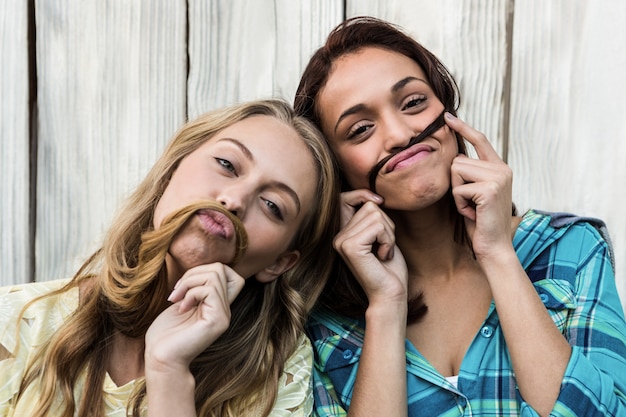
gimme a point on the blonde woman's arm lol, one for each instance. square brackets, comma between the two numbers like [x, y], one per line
[199, 315]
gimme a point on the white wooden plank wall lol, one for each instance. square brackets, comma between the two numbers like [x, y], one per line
[111, 91]
[115, 79]
[244, 50]
[14, 144]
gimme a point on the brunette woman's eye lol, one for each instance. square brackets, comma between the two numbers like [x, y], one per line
[358, 130]
[413, 102]
[273, 208]
[226, 164]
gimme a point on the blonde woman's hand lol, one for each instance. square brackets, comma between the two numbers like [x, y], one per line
[199, 315]
[482, 190]
[367, 244]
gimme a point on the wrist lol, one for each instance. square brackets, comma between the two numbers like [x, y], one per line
[387, 312]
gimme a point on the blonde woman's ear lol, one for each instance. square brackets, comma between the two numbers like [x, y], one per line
[282, 264]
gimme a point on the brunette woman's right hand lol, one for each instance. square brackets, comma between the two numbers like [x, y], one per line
[367, 244]
[199, 315]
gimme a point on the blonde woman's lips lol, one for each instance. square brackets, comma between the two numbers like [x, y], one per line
[215, 223]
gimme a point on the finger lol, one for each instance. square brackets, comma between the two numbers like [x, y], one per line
[476, 170]
[477, 139]
[359, 197]
[198, 276]
[369, 231]
[212, 295]
[234, 284]
[351, 201]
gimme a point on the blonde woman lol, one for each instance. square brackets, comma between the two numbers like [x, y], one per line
[195, 303]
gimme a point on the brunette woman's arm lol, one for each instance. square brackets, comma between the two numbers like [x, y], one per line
[367, 245]
[482, 189]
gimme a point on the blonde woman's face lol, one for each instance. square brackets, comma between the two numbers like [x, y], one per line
[260, 170]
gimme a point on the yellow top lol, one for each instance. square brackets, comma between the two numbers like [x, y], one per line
[44, 317]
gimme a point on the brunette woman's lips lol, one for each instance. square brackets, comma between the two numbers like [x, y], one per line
[408, 156]
[216, 223]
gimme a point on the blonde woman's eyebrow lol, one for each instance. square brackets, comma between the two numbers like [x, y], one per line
[287, 190]
[274, 184]
[244, 149]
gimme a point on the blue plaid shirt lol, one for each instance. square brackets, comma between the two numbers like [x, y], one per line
[569, 264]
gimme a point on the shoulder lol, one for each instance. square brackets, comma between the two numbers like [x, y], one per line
[561, 239]
[295, 396]
[39, 319]
[565, 256]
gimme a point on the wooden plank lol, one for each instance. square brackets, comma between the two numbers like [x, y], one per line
[567, 121]
[469, 37]
[243, 50]
[111, 92]
[14, 144]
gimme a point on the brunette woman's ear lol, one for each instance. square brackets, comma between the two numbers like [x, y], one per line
[282, 264]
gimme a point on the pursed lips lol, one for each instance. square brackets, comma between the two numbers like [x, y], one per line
[216, 223]
[407, 154]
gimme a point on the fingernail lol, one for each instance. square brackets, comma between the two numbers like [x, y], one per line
[377, 198]
[390, 254]
[449, 116]
[170, 296]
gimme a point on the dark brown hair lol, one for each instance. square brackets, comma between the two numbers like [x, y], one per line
[343, 293]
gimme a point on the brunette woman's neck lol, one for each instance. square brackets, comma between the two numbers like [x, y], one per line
[426, 239]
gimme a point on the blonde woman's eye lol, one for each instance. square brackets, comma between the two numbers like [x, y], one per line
[273, 208]
[226, 164]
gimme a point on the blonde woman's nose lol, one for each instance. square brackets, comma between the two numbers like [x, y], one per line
[233, 202]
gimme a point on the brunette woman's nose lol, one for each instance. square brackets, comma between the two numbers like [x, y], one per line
[397, 135]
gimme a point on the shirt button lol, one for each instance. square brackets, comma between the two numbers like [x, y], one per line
[544, 298]
[347, 354]
[486, 331]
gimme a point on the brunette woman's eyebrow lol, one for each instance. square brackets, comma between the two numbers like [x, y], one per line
[354, 109]
[397, 86]
[244, 149]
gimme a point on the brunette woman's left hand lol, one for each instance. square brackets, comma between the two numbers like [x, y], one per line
[199, 315]
[482, 190]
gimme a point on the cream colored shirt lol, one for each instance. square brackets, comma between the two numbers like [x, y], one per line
[44, 317]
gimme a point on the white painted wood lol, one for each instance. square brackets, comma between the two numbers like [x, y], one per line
[243, 50]
[568, 124]
[14, 144]
[111, 92]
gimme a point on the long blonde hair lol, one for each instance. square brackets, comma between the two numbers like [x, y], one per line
[245, 363]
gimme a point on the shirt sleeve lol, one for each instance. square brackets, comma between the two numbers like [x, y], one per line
[595, 378]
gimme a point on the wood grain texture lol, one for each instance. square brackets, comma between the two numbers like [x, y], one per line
[568, 121]
[243, 50]
[111, 92]
[14, 144]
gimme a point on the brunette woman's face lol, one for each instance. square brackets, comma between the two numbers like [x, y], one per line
[261, 170]
[373, 103]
